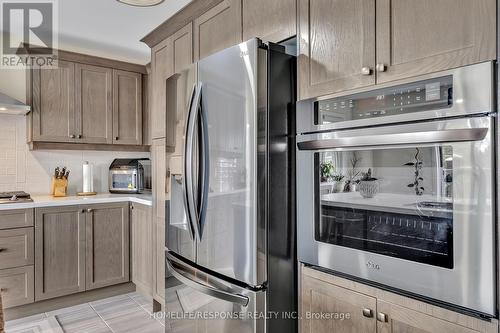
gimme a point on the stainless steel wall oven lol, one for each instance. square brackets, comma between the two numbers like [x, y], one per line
[396, 186]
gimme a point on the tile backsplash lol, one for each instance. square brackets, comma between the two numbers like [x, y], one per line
[31, 171]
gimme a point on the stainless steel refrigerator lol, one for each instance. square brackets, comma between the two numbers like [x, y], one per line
[230, 226]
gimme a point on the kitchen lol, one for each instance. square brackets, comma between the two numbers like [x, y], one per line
[336, 174]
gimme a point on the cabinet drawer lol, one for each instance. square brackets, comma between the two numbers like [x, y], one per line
[16, 218]
[16, 247]
[17, 286]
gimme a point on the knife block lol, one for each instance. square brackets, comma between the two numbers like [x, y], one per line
[59, 187]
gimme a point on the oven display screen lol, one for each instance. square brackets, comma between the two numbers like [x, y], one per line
[415, 97]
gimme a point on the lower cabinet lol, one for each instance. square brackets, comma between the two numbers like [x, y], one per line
[334, 304]
[107, 231]
[80, 248]
[59, 251]
[142, 248]
[17, 286]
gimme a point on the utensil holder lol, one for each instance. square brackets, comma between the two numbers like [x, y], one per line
[59, 187]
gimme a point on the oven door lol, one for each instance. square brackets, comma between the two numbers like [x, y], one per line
[408, 206]
[123, 181]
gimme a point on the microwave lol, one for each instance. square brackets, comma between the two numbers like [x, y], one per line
[130, 176]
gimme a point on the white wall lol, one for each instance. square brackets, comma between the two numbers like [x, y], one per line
[31, 171]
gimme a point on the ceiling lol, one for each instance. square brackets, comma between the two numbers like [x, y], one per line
[111, 29]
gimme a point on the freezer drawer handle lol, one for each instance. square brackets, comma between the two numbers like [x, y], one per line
[185, 278]
[429, 137]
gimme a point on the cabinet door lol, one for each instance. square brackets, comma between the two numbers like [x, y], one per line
[142, 251]
[424, 36]
[17, 286]
[276, 23]
[53, 99]
[392, 318]
[217, 29]
[59, 251]
[94, 104]
[107, 231]
[160, 186]
[336, 46]
[127, 108]
[162, 65]
[325, 308]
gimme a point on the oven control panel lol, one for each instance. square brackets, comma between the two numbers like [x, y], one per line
[418, 96]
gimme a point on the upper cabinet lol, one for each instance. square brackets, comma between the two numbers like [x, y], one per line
[53, 90]
[348, 44]
[127, 108]
[272, 21]
[421, 36]
[217, 29]
[94, 102]
[336, 44]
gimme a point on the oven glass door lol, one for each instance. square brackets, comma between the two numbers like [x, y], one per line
[124, 180]
[396, 201]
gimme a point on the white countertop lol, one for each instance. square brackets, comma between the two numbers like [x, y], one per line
[395, 203]
[50, 201]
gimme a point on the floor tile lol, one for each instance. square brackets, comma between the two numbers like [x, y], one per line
[113, 307]
[81, 318]
[29, 319]
[137, 321]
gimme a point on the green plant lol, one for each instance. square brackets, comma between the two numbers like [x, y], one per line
[337, 177]
[327, 170]
[417, 164]
[367, 176]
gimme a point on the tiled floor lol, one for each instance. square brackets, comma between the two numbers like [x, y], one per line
[119, 314]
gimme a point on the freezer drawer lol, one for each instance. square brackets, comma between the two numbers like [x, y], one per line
[199, 303]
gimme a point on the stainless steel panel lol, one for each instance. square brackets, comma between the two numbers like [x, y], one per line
[471, 281]
[229, 241]
[179, 229]
[198, 302]
[472, 94]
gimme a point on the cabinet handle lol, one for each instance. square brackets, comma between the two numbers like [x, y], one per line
[381, 68]
[366, 71]
[72, 136]
[89, 210]
[3, 289]
[79, 136]
[368, 313]
[2, 249]
[83, 211]
[382, 317]
[131, 207]
[116, 138]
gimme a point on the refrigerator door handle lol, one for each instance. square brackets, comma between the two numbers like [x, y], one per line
[204, 164]
[189, 200]
[181, 273]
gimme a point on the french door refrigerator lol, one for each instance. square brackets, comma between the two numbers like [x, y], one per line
[230, 226]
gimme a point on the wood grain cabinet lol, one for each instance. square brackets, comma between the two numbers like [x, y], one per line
[218, 28]
[272, 21]
[59, 251]
[421, 36]
[355, 312]
[52, 98]
[348, 44]
[335, 304]
[89, 101]
[127, 108]
[107, 245]
[141, 248]
[17, 285]
[336, 46]
[94, 104]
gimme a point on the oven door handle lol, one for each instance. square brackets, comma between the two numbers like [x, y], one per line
[428, 137]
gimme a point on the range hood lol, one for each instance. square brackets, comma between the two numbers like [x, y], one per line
[9, 105]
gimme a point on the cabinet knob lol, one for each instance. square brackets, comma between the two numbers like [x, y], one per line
[381, 68]
[3, 290]
[366, 71]
[83, 211]
[368, 313]
[89, 210]
[79, 136]
[72, 136]
[2, 249]
[131, 207]
[382, 317]
[116, 138]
